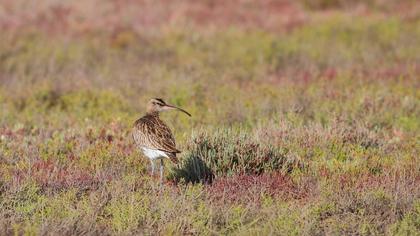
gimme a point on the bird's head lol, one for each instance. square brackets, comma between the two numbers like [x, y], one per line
[156, 105]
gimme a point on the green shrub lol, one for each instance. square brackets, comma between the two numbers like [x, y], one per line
[226, 152]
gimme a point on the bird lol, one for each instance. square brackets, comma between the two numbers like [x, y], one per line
[153, 137]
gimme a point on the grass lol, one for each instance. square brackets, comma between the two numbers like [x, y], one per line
[305, 127]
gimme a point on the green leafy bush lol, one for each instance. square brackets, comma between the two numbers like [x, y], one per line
[226, 152]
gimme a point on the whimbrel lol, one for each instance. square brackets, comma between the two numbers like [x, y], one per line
[154, 137]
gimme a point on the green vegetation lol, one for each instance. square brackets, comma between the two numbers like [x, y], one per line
[312, 130]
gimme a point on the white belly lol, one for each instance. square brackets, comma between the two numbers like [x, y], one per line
[154, 154]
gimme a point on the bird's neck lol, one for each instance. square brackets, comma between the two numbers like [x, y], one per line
[153, 114]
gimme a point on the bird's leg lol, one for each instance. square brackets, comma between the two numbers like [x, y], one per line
[161, 170]
[153, 167]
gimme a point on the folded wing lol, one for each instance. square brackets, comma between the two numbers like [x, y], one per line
[151, 132]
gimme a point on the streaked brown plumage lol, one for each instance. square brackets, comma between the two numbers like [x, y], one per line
[151, 132]
[153, 136]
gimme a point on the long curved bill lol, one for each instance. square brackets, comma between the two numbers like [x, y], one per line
[177, 108]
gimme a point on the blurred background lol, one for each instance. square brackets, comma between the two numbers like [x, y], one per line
[306, 113]
[226, 61]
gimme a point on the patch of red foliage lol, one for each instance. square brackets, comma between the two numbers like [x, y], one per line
[395, 182]
[139, 16]
[394, 72]
[390, 180]
[302, 76]
[8, 133]
[250, 188]
[271, 15]
[49, 174]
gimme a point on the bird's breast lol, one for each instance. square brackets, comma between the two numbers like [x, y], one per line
[153, 153]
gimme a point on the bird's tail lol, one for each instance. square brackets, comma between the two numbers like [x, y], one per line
[173, 158]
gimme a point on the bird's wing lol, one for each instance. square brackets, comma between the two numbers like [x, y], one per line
[153, 133]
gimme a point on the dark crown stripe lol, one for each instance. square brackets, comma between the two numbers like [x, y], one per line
[159, 100]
